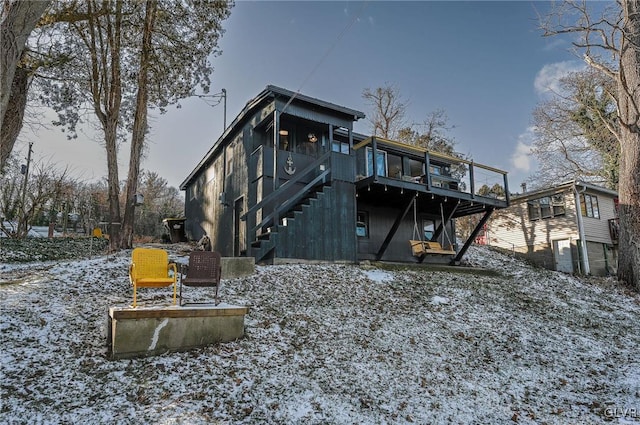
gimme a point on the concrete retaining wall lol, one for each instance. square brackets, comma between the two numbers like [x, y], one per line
[150, 331]
[233, 267]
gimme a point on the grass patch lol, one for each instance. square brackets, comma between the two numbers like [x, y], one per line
[45, 249]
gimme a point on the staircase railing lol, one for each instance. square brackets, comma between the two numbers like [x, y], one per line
[294, 198]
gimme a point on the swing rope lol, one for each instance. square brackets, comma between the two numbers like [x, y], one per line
[416, 231]
[444, 227]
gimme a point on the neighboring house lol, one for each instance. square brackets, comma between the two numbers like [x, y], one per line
[571, 227]
[289, 179]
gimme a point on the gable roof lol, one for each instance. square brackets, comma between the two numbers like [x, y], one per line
[264, 97]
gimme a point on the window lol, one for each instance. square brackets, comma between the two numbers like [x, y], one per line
[394, 162]
[589, 206]
[340, 140]
[416, 168]
[546, 207]
[428, 229]
[302, 136]
[339, 146]
[381, 162]
[557, 203]
[362, 224]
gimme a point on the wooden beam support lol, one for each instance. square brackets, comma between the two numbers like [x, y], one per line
[394, 228]
[472, 237]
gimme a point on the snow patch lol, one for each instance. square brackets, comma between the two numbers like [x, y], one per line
[378, 276]
[438, 300]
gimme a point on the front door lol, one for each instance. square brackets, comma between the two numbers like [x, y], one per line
[562, 253]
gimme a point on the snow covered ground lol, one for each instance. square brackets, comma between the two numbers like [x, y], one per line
[337, 344]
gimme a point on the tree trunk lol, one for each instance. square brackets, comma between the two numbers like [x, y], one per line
[13, 114]
[139, 125]
[19, 18]
[113, 183]
[629, 110]
[107, 96]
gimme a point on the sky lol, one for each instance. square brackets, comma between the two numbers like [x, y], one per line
[486, 64]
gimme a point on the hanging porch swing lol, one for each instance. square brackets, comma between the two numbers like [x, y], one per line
[420, 247]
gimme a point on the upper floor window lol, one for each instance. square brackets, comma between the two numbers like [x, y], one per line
[340, 140]
[381, 162]
[589, 206]
[546, 207]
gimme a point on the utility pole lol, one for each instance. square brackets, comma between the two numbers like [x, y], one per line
[224, 122]
[25, 171]
[214, 100]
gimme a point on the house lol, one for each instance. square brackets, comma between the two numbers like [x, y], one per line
[290, 179]
[571, 227]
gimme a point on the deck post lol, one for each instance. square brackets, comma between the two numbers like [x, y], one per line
[472, 237]
[374, 159]
[427, 171]
[276, 147]
[472, 181]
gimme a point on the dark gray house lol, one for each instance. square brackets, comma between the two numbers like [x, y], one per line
[289, 179]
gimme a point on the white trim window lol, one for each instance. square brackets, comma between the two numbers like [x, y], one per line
[589, 206]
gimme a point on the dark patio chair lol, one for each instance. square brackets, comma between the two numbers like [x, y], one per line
[204, 270]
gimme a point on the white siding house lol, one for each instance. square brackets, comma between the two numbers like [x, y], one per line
[571, 227]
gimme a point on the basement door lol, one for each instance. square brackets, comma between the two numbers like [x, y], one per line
[563, 259]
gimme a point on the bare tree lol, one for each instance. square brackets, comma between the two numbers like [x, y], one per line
[573, 139]
[18, 19]
[388, 110]
[432, 134]
[45, 185]
[610, 43]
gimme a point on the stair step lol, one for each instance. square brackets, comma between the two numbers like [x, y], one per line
[264, 235]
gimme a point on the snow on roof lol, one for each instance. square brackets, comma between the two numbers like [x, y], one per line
[336, 344]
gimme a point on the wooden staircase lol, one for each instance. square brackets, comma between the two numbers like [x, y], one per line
[290, 211]
[266, 245]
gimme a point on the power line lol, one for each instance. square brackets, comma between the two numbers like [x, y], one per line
[326, 54]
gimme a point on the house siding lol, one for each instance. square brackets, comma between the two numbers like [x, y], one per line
[597, 229]
[511, 228]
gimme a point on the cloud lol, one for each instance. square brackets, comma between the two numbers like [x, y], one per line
[548, 78]
[521, 158]
[554, 43]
